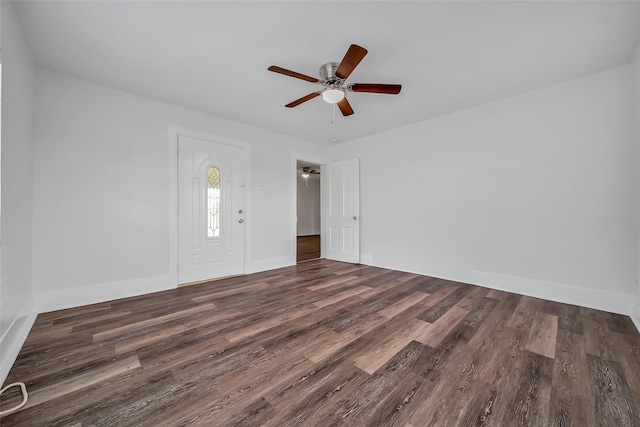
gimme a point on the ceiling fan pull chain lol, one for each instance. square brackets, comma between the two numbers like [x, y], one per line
[333, 121]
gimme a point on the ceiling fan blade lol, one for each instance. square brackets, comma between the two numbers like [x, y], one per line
[375, 88]
[290, 73]
[345, 107]
[303, 99]
[350, 61]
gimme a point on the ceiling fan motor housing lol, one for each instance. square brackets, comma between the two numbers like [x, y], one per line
[328, 75]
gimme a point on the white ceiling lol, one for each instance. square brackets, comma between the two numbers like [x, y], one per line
[213, 56]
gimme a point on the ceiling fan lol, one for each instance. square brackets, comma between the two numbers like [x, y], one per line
[309, 170]
[333, 77]
[306, 172]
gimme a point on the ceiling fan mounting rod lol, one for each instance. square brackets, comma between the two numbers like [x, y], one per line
[328, 76]
[328, 70]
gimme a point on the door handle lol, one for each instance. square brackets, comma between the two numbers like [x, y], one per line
[355, 217]
[241, 220]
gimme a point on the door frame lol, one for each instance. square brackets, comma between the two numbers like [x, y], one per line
[295, 157]
[173, 133]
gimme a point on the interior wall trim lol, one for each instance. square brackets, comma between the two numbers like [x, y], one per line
[271, 263]
[636, 321]
[613, 302]
[13, 339]
[61, 299]
[84, 295]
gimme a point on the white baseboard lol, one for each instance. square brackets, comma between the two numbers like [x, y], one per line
[592, 298]
[635, 318]
[271, 263]
[61, 299]
[14, 338]
[366, 259]
[74, 297]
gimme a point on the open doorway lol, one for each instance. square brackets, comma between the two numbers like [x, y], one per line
[308, 211]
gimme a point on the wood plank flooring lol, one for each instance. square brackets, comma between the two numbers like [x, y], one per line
[308, 247]
[329, 344]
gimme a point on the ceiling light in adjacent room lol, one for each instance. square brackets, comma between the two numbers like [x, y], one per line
[305, 176]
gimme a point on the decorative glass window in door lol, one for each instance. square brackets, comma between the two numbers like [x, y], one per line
[213, 203]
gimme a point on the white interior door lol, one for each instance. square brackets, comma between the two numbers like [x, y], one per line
[342, 232]
[210, 212]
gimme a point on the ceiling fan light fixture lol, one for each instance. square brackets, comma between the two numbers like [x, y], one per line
[333, 96]
[305, 175]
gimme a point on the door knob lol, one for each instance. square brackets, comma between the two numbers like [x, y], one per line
[355, 217]
[241, 220]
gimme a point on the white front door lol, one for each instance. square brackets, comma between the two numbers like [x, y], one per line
[210, 213]
[342, 232]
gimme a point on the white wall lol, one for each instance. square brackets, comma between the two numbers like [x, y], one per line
[533, 193]
[16, 304]
[636, 118]
[308, 206]
[101, 197]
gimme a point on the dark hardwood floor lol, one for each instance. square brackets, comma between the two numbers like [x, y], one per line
[329, 344]
[308, 247]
